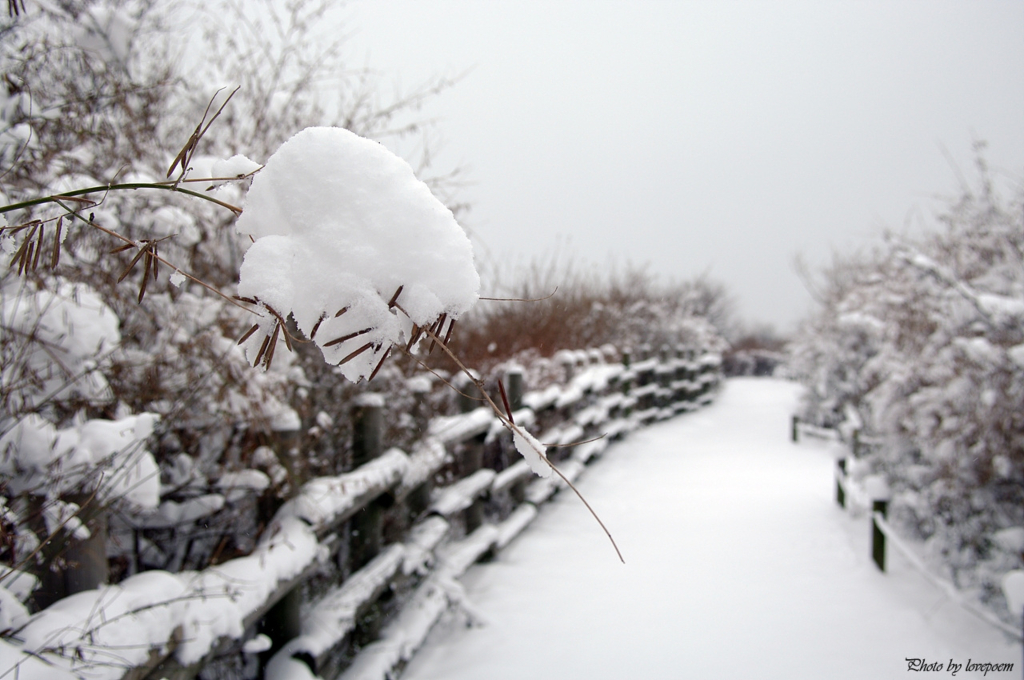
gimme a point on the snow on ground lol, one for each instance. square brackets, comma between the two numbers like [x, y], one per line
[739, 564]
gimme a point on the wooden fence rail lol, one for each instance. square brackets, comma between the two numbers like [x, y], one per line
[875, 498]
[354, 570]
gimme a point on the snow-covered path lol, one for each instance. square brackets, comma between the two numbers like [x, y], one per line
[739, 564]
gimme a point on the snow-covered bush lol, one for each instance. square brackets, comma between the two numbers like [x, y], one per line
[921, 344]
[95, 331]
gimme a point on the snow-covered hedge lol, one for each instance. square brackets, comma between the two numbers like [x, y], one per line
[920, 346]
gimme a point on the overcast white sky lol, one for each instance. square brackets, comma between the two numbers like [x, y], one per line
[720, 137]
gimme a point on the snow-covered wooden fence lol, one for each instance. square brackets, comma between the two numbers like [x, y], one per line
[354, 570]
[872, 495]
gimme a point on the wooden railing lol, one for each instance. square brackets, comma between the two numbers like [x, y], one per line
[354, 570]
[873, 497]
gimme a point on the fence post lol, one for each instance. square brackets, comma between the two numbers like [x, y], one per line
[702, 368]
[627, 383]
[282, 622]
[470, 453]
[69, 565]
[840, 476]
[286, 440]
[367, 444]
[796, 429]
[514, 388]
[367, 428]
[568, 361]
[87, 559]
[468, 397]
[473, 516]
[877, 537]
[366, 537]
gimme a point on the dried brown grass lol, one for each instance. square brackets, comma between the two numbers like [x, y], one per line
[555, 304]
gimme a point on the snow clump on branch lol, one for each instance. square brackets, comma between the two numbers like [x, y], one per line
[105, 456]
[356, 249]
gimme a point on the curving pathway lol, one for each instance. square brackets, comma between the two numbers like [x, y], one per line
[738, 565]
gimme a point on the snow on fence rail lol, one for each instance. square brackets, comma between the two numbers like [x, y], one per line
[354, 569]
[882, 526]
[873, 495]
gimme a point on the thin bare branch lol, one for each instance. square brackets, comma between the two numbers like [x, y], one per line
[540, 299]
[504, 400]
[184, 157]
[569, 446]
[77, 193]
[515, 429]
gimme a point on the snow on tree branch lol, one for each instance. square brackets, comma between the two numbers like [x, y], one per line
[343, 231]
